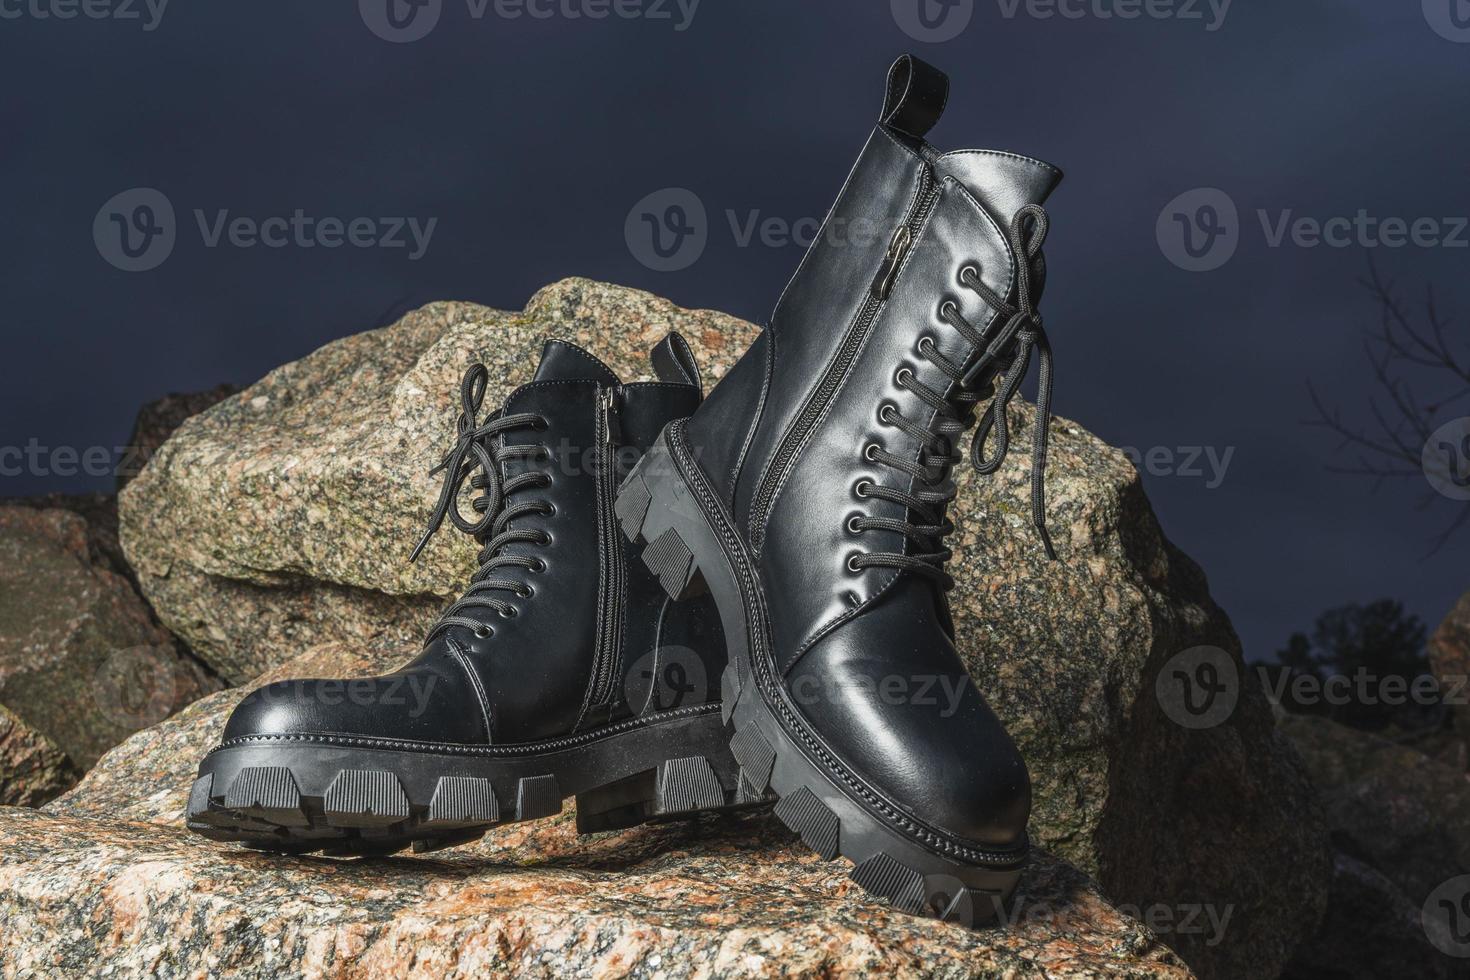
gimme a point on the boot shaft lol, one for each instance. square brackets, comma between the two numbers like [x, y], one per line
[572, 644]
[813, 398]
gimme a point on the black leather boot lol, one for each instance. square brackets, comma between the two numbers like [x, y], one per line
[556, 673]
[808, 494]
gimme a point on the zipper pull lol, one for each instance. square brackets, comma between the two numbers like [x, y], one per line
[612, 426]
[898, 247]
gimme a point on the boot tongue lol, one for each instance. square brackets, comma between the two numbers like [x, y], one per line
[561, 361]
[1003, 182]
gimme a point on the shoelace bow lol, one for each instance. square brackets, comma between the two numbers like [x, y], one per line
[935, 488]
[470, 453]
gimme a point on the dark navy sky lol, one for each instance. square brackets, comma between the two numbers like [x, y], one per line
[529, 140]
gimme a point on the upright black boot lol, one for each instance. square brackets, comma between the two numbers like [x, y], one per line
[809, 495]
[556, 673]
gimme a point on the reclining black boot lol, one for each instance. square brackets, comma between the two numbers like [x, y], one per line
[555, 674]
[809, 495]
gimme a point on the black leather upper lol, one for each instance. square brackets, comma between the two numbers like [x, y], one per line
[828, 622]
[529, 675]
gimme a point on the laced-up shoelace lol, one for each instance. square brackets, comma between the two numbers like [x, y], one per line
[471, 452]
[934, 487]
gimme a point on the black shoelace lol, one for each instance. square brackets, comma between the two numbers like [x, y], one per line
[472, 451]
[934, 487]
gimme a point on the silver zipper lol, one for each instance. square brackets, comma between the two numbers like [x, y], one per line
[898, 248]
[613, 572]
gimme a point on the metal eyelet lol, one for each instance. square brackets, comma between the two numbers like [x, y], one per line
[886, 413]
[926, 347]
[509, 612]
[549, 510]
[538, 568]
[971, 268]
[869, 452]
[947, 308]
[860, 489]
[484, 632]
[852, 522]
[851, 567]
[898, 377]
[526, 593]
[545, 540]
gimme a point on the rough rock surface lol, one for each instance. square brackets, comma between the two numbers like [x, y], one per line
[1401, 824]
[108, 878]
[323, 465]
[1400, 811]
[157, 420]
[730, 899]
[99, 510]
[1371, 931]
[32, 769]
[81, 659]
[1449, 656]
[148, 776]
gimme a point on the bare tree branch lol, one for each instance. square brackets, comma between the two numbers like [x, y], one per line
[1402, 420]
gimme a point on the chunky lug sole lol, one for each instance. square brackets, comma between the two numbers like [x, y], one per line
[690, 544]
[360, 796]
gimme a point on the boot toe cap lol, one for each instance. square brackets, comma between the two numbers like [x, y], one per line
[922, 736]
[411, 705]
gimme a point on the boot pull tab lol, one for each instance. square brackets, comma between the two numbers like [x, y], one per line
[917, 93]
[673, 362]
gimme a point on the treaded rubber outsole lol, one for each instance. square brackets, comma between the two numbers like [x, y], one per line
[303, 796]
[690, 546]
